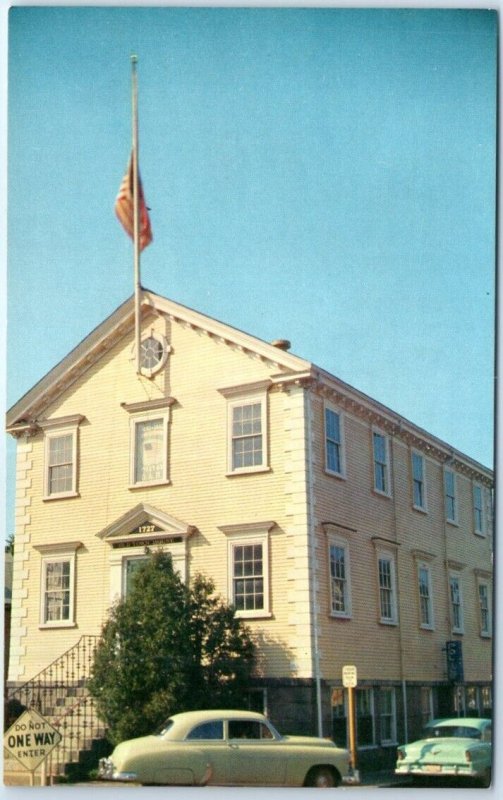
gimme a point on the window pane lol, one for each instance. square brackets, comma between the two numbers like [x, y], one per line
[60, 449]
[208, 730]
[150, 454]
[60, 479]
[248, 729]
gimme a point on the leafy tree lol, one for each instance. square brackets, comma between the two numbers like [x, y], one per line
[168, 647]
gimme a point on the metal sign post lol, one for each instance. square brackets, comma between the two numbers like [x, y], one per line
[349, 681]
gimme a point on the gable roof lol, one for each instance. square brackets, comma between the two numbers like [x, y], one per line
[22, 415]
[115, 327]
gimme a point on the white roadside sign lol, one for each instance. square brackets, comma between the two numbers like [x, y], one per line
[349, 676]
[30, 739]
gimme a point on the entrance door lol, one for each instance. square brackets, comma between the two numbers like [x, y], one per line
[130, 568]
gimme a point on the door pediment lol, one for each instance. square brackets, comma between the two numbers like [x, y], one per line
[144, 525]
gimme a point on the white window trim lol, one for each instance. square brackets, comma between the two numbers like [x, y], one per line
[461, 628]
[477, 531]
[387, 473]
[135, 420]
[342, 443]
[424, 507]
[246, 534]
[392, 692]
[58, 553]
[453, 520]
[53, 429]
[337, 541]
[431, 625]
[237, 402]
[386, 554]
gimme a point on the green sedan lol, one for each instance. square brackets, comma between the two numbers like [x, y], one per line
[226, 748]
[459, 746]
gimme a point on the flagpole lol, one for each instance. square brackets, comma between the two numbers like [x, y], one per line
[136, 215]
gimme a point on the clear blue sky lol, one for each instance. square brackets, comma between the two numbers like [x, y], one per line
[326, 176]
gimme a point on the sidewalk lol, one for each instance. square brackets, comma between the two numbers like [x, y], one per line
[380, 779]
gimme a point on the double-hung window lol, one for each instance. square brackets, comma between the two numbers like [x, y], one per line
[381, 463]
[418, 481]
[340, 592]
[478, 509]
[334, 444]
[387, 590]
[247, 436]
[484, 609]
[150, 450]
[149, 426]
[456, 603]
[61, 455]
[451, 513]
[248, 568]
[57, 584]
[425, 597]
[247, 440]
[387, 703]
[248, 576]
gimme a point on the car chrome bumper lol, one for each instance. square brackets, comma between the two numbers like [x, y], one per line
[107, 772]
[439, 770]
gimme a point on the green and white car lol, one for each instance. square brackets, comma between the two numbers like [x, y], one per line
[459, 746]
[226, 748]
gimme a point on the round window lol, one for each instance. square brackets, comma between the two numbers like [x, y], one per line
[153, 354]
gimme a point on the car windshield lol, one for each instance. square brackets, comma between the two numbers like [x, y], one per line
[450, 731]
[164, 728]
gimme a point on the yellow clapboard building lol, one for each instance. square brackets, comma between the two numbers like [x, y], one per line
[364, 540]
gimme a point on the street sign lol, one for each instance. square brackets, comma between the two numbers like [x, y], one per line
[349, 676]
[30, 739]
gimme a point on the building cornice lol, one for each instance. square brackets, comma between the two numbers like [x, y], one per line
[360, 405]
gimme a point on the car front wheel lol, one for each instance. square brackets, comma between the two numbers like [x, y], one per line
[322, 778]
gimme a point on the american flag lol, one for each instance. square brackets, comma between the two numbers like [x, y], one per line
[124, 208]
